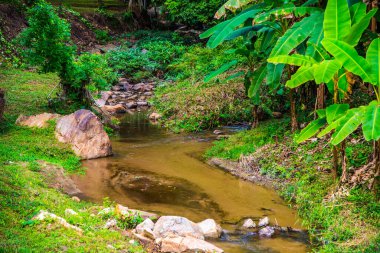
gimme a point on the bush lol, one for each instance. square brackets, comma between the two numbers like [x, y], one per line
[46, 41]
[193, 13]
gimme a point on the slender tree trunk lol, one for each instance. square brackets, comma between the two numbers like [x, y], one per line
[293, 111]
[344, 177]
[320, 96]
[376, 156]
[255, 114]
[335, 162]
[375, 4]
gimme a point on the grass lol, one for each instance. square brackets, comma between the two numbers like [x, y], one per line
[345, 223]
[23, 191]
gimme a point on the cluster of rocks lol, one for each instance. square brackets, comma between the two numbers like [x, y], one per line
[178, 234]
[82, 130]
[125, 97]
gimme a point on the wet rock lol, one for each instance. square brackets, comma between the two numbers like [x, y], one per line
[155, 116]
[266, 232]
[114, 109]
[264, 222]
[168, 225]
[111, 224]
[131, 105]
[146, 224]
[210, 228]
[248, 223]
[84, 131]
[70, 212]
[187, 244]
[141, 103]
[44, 215]
[218, 132]
[40, 120]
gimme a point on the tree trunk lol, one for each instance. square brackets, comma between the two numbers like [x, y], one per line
[344, 177]
[320, 96]
[334, 169]
[255, 114]
[293, 111]
[375, 4]
[376, 156]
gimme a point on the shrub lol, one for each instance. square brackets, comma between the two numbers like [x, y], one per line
[192, 12]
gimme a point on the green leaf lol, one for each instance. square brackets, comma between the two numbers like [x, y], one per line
[321, 113]
[221, 70]
[315, 39]
[311, 130]
[274, 74]
[357, 30]
[371, 122]
[225, 31]
[349, 123]
[357, 12]
[325, 71]
[295, 35]
[283, 11]
[335, 111]
[258, 77]
[294, 59]
[231, 5]
[213, 30]
[349, 58]
[337, 21]
[373, 59]
[303, 75]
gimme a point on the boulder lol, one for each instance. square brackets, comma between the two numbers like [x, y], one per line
[114, 109]
[39, 120]
[146, 224]
[187, 244]
[266, 232]
[168, 225]
[248, 223]
[210, 228]
[84, 131]
[105, 95]
[264, 222]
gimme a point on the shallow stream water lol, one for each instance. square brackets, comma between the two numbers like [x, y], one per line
[155, 170]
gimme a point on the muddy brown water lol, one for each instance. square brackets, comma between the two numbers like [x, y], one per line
[154, 170]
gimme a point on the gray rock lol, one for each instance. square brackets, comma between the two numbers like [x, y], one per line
[264, 222]
[266, 232]
[131, 105]
[140, 103]
[187, 244]
[146, 224]
[210, 228]
[248, 223]
[169, 225]
[111, 224]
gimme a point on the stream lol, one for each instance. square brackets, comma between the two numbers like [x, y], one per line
[161, 172]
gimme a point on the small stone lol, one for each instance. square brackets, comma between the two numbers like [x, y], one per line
[140, 103]
[106, 210]
[154, 116]
[112, 223]
[248, 223]
[75, 198]
[132, 241]
[146, 224]
[131, 105]
[210, 228]
[218, 132]
[266, 232]
[111, 247]
[264, 222]
[69, 212]
[148, 93]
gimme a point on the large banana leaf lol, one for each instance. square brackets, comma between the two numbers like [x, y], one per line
[294, 59]
[225, 31]
[303, 75]
[349, 58]
[335, 111]
[325, 71]
[330, 127]
[286, 10]
[274, 74]
[311, 130]
[294, 36]
[337, 21]
[213, 29]
[371, 122]
[373, 59]
[350, 122]
[357, 12]
[231, 5]
[315, 38]
[257, 79]
[221, 70]
[357, 29]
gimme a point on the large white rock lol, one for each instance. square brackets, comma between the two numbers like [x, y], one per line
[84, 131]
[169, 225]
[39, 120]
[249, 223]
[44, 215]
[264, 222]
[210, 228]
[187, 244]
[146, 224]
